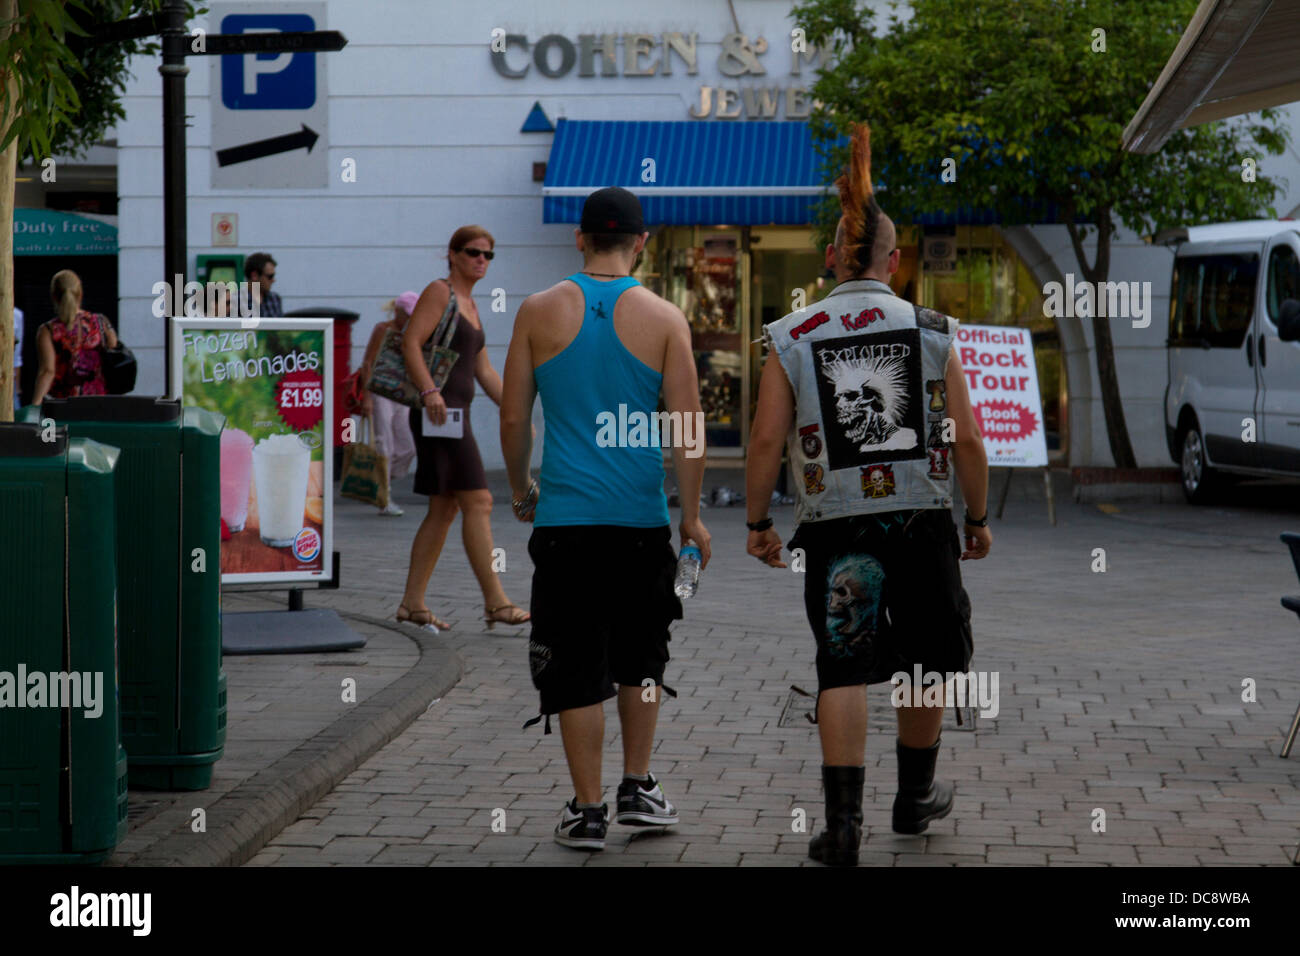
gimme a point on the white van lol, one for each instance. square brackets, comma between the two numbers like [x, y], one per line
[1232, 404]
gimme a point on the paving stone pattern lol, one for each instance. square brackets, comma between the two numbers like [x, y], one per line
[1119, 692]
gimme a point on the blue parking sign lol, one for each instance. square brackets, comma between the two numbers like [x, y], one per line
[268, 81]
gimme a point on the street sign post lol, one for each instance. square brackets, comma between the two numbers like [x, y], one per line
[270, 99]
[177, 44]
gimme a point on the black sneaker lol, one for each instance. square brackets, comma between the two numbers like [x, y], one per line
[582, 829]
[643, 804]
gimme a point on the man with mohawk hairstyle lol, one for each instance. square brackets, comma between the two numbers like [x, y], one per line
[869, 397]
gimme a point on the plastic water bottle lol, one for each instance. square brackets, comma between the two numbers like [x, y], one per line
[688, 572]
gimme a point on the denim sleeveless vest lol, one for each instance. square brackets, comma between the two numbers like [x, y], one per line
[867, 370]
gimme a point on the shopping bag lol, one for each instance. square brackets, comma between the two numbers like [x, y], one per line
[365, 470]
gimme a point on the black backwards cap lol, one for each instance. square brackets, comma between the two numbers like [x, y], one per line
[613, 210]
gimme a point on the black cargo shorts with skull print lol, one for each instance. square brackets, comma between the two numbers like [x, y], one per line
[602, 604]
[883, 593]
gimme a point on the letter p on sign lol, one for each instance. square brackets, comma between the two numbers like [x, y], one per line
[268, 81]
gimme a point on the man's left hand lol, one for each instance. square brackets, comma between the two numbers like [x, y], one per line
[766, 546]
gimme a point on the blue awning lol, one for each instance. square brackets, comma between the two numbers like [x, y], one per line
[713, 173]
[744, 173]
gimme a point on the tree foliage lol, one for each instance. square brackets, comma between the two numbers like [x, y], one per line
[1015, 94]
[69, 90]
[1029, 99]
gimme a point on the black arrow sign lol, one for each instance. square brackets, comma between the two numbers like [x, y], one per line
[268, 147]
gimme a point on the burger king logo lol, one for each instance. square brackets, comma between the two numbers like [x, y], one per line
[306, 546]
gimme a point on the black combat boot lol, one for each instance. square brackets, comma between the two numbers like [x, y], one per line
[838, 843]
[920, 799]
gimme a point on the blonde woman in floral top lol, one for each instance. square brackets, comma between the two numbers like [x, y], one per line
[69, 344]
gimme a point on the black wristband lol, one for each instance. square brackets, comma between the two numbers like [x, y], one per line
[982, 523]
[762, 524]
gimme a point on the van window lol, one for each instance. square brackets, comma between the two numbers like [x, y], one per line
[1213, 300]
[1283, 279]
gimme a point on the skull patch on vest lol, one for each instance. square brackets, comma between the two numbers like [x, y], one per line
[869, 389]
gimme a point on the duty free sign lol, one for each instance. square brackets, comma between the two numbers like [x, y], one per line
[998, 362]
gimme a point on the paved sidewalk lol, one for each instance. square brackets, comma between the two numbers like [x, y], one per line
[290, 737]
[1120, 692]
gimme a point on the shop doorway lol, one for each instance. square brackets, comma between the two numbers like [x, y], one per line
[731, 281]
[704, 272]
[32, 275]
[788, 272]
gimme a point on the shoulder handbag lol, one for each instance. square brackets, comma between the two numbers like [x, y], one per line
[118, 364]
[388, 376]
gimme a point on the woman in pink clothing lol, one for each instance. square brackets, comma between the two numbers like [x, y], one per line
[390, 420]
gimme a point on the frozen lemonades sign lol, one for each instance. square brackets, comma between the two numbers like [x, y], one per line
[1003, 380]
[270, 383]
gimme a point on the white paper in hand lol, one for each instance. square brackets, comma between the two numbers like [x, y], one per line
[453, 427]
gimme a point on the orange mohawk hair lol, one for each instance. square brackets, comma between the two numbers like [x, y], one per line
[858, 202]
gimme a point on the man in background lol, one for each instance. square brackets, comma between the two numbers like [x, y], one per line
[259, 270]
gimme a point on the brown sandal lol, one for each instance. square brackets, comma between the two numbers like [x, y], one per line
[424, 618]
[519, 617]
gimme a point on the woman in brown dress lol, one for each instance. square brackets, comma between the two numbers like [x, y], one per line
[450, 470]
[69, 343]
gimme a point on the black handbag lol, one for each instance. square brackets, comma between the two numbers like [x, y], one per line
[117, 364]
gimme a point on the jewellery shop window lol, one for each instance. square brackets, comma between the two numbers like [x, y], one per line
[699, 272]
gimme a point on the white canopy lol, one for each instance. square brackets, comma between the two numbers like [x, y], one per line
[1236, 56]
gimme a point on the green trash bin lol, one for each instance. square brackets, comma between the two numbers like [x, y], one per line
[62, 766]
[169, 566]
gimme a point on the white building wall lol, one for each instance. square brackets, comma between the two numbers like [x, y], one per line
[434, 131]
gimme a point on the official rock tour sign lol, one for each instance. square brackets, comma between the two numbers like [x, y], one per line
[998, 362]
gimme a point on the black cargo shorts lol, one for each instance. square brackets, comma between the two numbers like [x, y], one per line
[601, 605]
[883, 593]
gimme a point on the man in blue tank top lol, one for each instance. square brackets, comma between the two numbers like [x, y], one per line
[598, 348]
[867, 393]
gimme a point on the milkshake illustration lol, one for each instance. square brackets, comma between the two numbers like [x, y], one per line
[236, 473]
[280, 465]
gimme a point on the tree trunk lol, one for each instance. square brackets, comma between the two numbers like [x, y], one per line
[1121, 447]
[8, 172]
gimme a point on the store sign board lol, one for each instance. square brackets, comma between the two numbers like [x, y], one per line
[48, 232]
[998, 362]
[271, 382]
[515, 56]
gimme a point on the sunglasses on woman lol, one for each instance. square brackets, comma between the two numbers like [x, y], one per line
[475, 253]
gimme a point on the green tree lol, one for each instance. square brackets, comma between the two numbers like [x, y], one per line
[58, 94]
[1030, 99]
